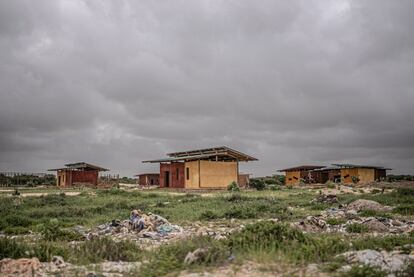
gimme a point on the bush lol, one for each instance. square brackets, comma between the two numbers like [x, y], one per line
[404, 209]
[208, 215]
[9, 248]
[170, 258]
[241, 212]
[375, 191]
[257, 184]
[405, 191]
[355, 179]
[330, 185]
[265, 235]
[233, 186]
[374, 213]
[356, 228]
[236, 197]
[104, 248]
[335, 221]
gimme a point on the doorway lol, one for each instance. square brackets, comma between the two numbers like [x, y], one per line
[59, 180]
[166, 179]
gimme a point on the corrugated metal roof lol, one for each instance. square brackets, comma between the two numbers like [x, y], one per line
[221, 153]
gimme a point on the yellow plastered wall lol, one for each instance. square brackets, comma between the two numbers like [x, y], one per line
[62, 175]
[192, 182]
[292, 177]
[366, 175]
[217, 174]
[348, 172]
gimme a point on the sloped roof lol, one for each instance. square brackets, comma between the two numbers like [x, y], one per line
[80, 166]
[221, 153]
[302, 168]
[359, 166]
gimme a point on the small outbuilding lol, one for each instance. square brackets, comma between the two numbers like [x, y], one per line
[148, 179]
[80, 173]
[304, 172]
[345, 173]
[209, 168]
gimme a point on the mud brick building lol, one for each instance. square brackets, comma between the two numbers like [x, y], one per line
[345, 173]
[210, 168]
[148, 179]
[80, 173]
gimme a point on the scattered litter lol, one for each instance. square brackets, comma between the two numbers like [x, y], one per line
[140, 225]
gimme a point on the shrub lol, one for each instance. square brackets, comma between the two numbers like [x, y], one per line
[257, 184]
[405, 191]
[265, 235]
[356, 228]
[329, 184]
[375, 191]
[51, 230]
[208, 215]
[374, 213]
[104, 248]
[9, 248]
[335, 221]
[355, 179]
[274, 187]
[404, 209]
[170, 258]
[235, 197]
[241, 212]
[233, 186]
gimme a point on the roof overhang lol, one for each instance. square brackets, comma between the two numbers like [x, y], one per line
[222, 153]
[80, 166]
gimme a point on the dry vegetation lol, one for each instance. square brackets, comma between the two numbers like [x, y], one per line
[45, 226]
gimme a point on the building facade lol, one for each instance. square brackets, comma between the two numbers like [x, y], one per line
[148, 179]
[76, 174]
[338, 173]
[210, 168]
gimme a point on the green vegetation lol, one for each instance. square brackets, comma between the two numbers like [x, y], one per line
[233, 187]
[335, 221]
[54, 215]
[356, 228]
[27, 180]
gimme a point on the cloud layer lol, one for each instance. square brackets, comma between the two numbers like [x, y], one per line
[290, 82]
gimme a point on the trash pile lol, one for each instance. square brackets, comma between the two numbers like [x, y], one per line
[338, 219]
[138, 226]
[390, 262]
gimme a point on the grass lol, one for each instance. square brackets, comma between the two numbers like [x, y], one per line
[54, 215]
[21, 215]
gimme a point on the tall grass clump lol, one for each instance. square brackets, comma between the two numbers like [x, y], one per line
[170, 258]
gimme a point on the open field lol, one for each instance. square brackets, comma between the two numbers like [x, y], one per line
[257, 230]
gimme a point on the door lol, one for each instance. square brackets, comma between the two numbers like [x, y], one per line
[59, 181]
[166, 179]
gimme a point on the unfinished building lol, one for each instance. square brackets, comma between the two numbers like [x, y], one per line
[210, 168]
[78, 174]
[344, 173]
[148, 179]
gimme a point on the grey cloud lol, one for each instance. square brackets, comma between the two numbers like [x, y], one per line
[117, 82]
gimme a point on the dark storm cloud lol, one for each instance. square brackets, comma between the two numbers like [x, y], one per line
[291, 82]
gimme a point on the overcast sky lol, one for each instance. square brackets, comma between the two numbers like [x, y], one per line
[289, 82]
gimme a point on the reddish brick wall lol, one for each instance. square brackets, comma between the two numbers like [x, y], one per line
[145, 180]
[175, 181]
[90, 177]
